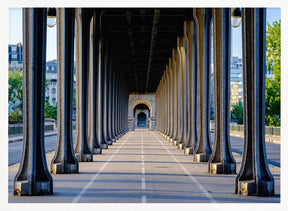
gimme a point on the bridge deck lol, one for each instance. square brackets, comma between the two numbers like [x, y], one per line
[142, 167]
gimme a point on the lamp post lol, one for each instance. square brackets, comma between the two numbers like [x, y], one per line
[236, 17]
[51, 17]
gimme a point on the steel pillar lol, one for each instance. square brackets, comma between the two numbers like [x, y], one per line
[105, 96]
[191, 91]
[170, 101]
[82, 149]
[158, 116]
[182, 90]
[165, 97]
[109, 102]
[64, 160]
[172, 94]
[176, 96]
[101, 93]
[117, 133]
[202, 19]
[254, 177]
[222, 161]
[33, 177]
[113, 113]
[93, 85]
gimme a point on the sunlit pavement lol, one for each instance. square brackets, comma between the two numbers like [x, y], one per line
[142, 167]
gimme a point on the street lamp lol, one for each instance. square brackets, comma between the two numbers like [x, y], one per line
[51, 17]
[235, 17]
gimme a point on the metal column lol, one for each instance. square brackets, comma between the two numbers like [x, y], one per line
[222, 161]
[203, 150]
[254, 177]
[33, 177]
[64, 160]
[82, 149]
[192, 90]
[93, 86]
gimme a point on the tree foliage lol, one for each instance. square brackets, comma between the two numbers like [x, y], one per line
[237, 113]
[15, 95]
[50, 110]
[273, 84]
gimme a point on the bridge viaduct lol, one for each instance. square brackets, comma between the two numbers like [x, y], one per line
[165, 52]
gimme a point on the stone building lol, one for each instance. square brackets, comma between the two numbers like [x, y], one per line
[141, 111]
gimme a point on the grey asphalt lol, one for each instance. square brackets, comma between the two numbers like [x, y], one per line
[273, 150]
[142, 167]
[15, 148]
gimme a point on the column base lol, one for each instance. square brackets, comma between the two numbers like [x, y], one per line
[113, 140]
[188, 151]
[21, 188]
[104, 146]
[180, 146]
[248, 188]
[219, 168]
[175, 143]
[202, 157]
[58, 168]
[84, 157]
[97, 151]
[109, 142]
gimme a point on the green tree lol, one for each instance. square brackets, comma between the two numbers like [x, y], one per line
[50, 110]
[237, 113]
[15, 95]
[273, 61]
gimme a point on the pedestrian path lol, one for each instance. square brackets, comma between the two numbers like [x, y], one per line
[142, 167]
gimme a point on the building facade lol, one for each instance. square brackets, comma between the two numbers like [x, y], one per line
[51, 78]
[236, 81]
[15, 56]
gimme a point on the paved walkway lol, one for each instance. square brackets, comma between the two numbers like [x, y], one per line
[142, 167]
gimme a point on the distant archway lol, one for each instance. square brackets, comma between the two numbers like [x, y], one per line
[141, 116]
[145, 102]
[136, 99]
[141, 119]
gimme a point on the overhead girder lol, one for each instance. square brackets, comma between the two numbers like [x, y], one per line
[142, 40]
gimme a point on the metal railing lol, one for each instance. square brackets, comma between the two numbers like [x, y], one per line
[17, 129]
[269, 130]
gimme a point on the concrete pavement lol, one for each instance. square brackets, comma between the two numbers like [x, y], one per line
[142, 167]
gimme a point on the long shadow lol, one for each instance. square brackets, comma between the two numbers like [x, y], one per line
[135, 161]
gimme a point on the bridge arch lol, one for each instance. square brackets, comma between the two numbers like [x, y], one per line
[145, 102]
[136, 100]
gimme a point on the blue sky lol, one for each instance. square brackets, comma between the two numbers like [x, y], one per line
[15, 32]
[272, 14]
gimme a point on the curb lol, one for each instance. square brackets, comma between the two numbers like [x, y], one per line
[20, 139]
[268, 140]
